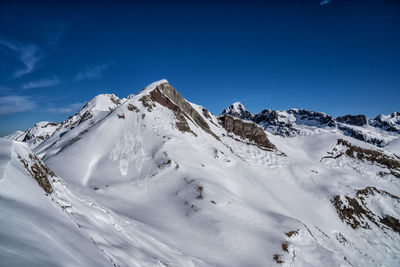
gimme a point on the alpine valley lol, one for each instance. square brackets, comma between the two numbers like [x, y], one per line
[154, 180]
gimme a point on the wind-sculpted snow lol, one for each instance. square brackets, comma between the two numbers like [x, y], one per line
[154, 180]
[34, 228]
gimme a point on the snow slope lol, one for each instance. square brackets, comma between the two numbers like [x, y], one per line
[159, 181]
[35, 231]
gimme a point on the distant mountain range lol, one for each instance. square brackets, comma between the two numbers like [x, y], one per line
[378, 131]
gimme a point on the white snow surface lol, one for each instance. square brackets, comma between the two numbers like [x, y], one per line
[15, 135]
[133, 190]
[236, 107]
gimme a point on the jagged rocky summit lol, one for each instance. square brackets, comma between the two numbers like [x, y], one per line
[378, 131]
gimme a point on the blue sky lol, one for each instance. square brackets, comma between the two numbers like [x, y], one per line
[338, 56]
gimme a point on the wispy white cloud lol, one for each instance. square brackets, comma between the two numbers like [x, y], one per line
[93, 72]
[42, 83]
[325, 2]
[14, 103]
[66, 109]
[28, 55]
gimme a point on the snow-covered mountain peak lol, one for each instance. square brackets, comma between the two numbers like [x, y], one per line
[152, 86]
[237, 105]
[37, 134]
[389, 122]
[102, 102]
[164, 94]
[393, 115]
[237, 110]
[154, 180]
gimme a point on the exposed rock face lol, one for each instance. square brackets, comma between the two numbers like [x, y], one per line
[39, 132]
[351, 212]
[273, 121]
[246, 131]
[181, 122]
[391, 222]
[167, 96]
[295, 122]
[206, 113]
[237, 110]
[92, 111]
[370, 155]
[39, 171]
[319, 118]
[358, 213]
[357, 120]
[298, 116]
[284, 122]
[360, 135]
[133, 108]
[115, 100]
[390, 164]
[267, 116]
[87, 115]
[390, 123]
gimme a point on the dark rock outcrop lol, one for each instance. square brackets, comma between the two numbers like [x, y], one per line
[291, 122]
[35, 135]
[358, 213]
[246, 131]
[39, 171]
[270, 120]
[360, 135]
[357, 120]
[278, 122]
[319, 118]
[351, 212]
[85, 116]
[167, 96]
[371, 156]
[282, 122]
[267, 116]
[237, 110]
[389, 123]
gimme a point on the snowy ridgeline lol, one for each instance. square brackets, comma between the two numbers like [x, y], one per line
[153, 180]
[293, 122]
